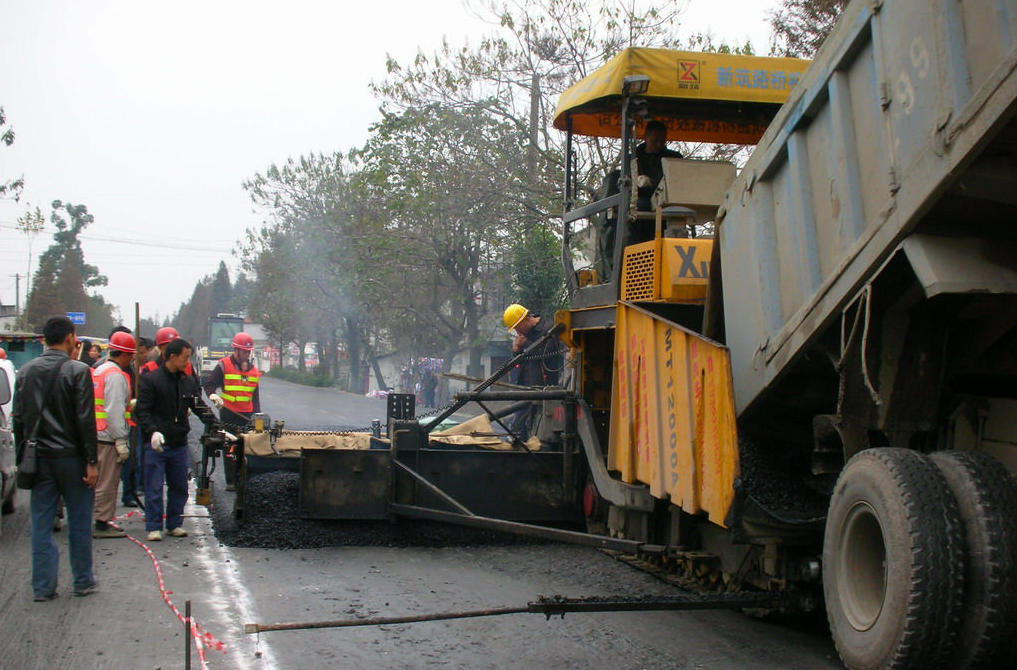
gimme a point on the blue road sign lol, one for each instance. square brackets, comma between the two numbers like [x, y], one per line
[77, 318]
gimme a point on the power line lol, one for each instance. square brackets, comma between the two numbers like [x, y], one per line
[140, 243]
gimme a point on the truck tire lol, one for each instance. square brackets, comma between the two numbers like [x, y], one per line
[987, 498]
[893, 563]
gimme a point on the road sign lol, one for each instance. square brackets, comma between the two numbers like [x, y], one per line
[77, 318]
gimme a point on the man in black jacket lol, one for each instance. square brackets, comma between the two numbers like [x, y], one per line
[55, 393]
[164, 396]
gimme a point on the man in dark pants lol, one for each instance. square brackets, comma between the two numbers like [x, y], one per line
[131, 481]
[239, 400]
[55, 392]
[164, 396]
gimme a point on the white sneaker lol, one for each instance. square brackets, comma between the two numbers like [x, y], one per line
[177, 532]
[154, 536]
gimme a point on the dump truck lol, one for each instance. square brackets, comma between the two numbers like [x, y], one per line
[798, 378]
[219, 342]
[824, 392]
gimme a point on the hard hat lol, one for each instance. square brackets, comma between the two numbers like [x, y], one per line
[122, 342]
[3, 354]
[243, 341]
[514, 313]
[165, 335]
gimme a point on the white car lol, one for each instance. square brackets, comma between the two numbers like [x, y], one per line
[8, 377]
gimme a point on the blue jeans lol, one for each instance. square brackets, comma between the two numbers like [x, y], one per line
[131, 475]
[56, 478]
[170, 467]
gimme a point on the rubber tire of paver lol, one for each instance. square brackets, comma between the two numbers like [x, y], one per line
[893, 563]
[987, 499]
[8, 505]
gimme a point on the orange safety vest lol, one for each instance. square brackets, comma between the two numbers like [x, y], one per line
[238, 387]
[99, 387]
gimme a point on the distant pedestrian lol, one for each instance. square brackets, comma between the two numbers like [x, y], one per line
[164, 396]
[85, 352]
[233, 387]
[428, 384]
[54, 417]
[112, 386]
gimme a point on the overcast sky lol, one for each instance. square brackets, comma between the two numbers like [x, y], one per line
[152, 114]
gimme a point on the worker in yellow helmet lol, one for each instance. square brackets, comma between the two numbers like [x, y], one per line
[540, 370]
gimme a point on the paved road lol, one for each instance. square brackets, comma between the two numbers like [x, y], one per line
[126, 624]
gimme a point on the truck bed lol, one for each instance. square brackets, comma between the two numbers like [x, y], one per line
[905, 120]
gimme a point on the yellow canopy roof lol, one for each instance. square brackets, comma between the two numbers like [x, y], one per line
[701, 97]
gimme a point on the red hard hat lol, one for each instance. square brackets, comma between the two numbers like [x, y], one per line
[3, 354]
[243, 341]
[123, 342]
[164, 335]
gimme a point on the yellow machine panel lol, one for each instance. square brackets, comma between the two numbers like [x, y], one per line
[672, 413]
[669, 269]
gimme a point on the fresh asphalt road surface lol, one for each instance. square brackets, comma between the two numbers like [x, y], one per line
[127, 625]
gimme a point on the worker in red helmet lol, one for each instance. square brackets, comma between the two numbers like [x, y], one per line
[233, 388]
[164, 336]
[112, 385]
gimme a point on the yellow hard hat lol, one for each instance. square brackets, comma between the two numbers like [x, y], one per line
[514, 313]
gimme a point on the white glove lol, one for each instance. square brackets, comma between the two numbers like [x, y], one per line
[157, 441]
[643, 181]
[133, 404]
[230, 436]
[216, 400]
[122, 451]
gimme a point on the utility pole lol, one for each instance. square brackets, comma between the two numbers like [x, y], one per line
[17, 299]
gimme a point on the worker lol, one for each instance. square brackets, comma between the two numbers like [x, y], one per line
[164, 397]
[648, 161]
[164, 336]
[132, 483]
[112, 389]
[54, 418]
[541, 369]
[237, 377]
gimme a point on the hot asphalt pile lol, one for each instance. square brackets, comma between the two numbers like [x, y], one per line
[272, 521]
[768, 478]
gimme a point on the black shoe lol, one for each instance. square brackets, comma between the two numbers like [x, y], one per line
[42, 599]
[88, 590]
[130, 503]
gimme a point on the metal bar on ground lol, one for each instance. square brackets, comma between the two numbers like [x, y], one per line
[529, 530]
[432, 488]
[252, 628]
[554, 606]
[187, 635]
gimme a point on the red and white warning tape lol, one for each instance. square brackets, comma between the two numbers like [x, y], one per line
[202, 638]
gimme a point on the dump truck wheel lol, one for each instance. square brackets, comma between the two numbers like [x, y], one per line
[987, 498]
[893, 563]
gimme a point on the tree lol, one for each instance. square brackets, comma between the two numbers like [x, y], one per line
[11, 188]
[63, 277]
[220, 291]
[801, 26]
[536, 271]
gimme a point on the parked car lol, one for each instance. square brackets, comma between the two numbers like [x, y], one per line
[7, 466]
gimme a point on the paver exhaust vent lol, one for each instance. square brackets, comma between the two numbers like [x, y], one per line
[639, 276]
